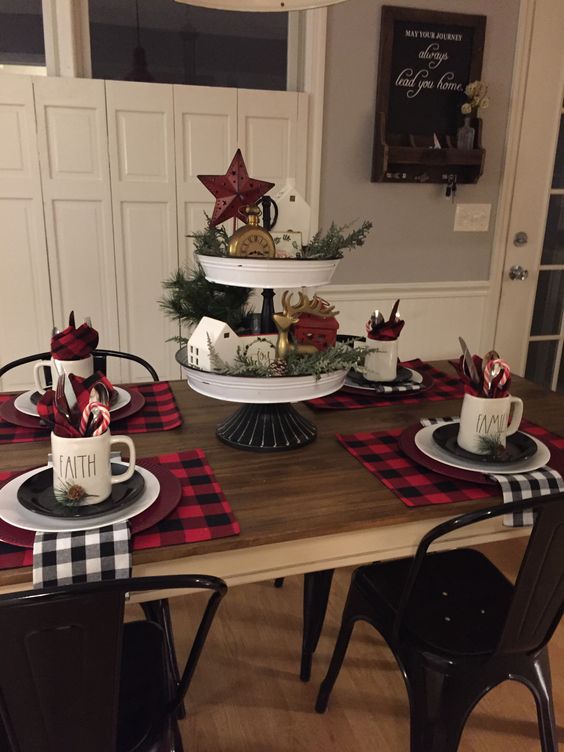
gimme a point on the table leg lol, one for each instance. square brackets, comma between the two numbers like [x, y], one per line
[317, 586]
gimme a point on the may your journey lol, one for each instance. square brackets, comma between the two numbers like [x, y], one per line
[432, 57]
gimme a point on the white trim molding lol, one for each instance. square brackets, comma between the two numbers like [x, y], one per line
[436, 314]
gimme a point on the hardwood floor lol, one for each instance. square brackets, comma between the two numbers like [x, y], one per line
[247, 696]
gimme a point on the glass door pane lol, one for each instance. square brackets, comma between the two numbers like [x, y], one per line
[22, 47]
[184, 44]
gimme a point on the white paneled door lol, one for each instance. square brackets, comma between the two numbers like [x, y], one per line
[206, 139]
[73, 149]
[143, 180]
[272, 134]
[25, 302]
[95, 213]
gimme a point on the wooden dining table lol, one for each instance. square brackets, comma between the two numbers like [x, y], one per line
[307, 510]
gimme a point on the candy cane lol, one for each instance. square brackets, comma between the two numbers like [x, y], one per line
[491, 370]
[104, 412]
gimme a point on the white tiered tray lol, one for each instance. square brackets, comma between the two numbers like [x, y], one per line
[267, 390]
[269, 273]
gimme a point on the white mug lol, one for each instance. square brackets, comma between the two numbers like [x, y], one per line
[380, 361]
[85, 462]
[483, 417]
[83, 368]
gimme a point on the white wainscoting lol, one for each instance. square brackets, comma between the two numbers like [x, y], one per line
[435, 314]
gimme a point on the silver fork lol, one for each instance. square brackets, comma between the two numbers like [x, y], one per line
[61, 402]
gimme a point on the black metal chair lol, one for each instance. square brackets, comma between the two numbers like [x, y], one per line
[74, 676]
[100, 362]
[458, 627]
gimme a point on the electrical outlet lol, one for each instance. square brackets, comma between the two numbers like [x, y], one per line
[472, 217]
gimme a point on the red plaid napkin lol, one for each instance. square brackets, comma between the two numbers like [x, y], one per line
[387, 330]
[202, 514]
[415, 485]
[73, 343]
[160, 413]
[444, 387]
[82, 388]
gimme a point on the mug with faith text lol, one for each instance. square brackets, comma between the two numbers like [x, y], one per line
[84, 463]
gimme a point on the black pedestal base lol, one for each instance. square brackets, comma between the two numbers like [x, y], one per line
[267, 428]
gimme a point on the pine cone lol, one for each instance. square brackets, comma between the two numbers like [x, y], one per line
[75, 493]
[278, 367]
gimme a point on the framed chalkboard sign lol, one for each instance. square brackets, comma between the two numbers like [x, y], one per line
[426, 60]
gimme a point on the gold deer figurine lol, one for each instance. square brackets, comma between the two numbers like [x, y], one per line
[316, 306]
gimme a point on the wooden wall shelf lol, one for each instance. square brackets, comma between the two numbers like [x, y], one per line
[412, 158]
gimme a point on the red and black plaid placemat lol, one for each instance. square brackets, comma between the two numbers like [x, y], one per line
[415, 485]
[159, 413]
[202, 514]
[444, 387]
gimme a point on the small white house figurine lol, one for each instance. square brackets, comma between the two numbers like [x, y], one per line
[294, 213]
[225, 343]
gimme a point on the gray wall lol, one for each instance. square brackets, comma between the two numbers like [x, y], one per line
[412, 239]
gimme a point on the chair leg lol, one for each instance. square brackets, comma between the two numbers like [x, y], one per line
[347, 626]
[317, 586]
[439, 706]
[159, 612]
[541, 687]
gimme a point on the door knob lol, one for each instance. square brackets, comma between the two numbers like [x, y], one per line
[517, 272]
[521, 238]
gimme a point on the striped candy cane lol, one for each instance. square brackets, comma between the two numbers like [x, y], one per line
[494, 368]
[105, 420]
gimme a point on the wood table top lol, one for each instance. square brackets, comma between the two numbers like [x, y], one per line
[315, 491]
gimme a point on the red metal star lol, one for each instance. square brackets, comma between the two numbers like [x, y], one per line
[233, 190]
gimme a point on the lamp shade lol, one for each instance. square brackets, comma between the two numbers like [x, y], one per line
[262, 6]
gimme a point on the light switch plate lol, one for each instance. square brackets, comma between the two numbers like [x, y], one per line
[472, 217]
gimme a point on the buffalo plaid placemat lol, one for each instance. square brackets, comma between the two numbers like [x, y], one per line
[444, 387]
[415, 485]
[159, 413]
[202, 514]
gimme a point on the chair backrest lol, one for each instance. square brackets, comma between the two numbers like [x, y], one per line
[538, 597]
[100, 362]
[60, 658]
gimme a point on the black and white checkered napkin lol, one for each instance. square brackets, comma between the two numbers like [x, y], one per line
[85, 556]
[519, 486]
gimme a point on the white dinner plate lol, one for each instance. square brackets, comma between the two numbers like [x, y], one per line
[415, 378]
[13, 512]
[425, 442]
[24, 404]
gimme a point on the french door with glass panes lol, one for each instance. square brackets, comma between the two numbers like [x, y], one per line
[530, 325]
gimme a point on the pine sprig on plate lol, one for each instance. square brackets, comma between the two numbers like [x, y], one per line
[492, 446]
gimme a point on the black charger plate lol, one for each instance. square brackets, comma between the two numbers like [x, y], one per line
[519, 446]
[36, 494]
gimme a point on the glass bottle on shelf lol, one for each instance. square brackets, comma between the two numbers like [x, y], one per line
[465, 135]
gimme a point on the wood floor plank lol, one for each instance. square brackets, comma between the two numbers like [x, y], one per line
[247, 696]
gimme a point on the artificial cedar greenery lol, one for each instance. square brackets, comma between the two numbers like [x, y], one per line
[189, 296]
[214, 241]
[315, 364]
[333, 243]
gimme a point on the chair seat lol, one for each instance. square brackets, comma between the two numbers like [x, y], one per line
[458, 606]
[145, 689]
